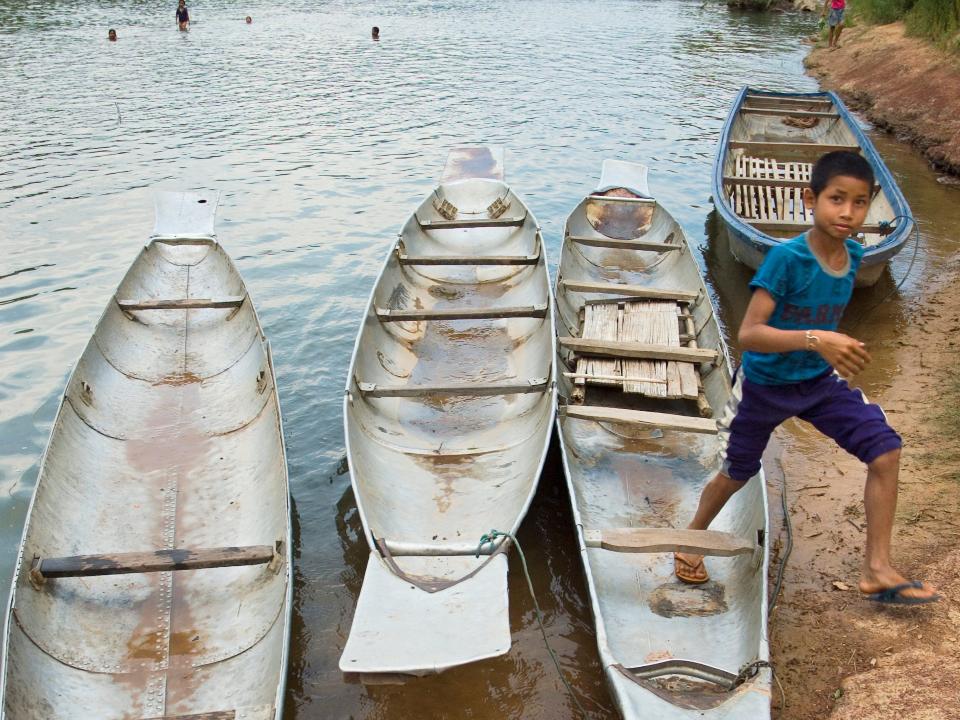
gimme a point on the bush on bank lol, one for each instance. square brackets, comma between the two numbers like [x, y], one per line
[937, 20]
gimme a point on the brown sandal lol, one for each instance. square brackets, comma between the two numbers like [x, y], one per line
[684, 571]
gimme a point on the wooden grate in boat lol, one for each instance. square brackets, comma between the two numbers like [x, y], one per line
[653, 322]
[781, 199]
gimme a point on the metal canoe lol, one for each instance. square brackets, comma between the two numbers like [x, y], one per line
[767, 146]
[448, 412]
[167, 452]
[637, 452]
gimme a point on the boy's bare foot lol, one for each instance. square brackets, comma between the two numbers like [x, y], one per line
[898, 589]
[690, 568]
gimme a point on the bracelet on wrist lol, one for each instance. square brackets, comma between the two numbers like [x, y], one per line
[812, 340]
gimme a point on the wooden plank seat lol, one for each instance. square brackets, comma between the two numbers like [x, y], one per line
[633, 291]
[529, 311]
[619, 199]
[185, 241]
[219, 715]
[782, 112]
[637, 350]
[667, 540]
[148, 562]
[605, 242]
[405, 259]
[754, 97]
[663, 421]
[786, 226]
[536, 385]
[466, 223]
[180, 304]
[816, 149]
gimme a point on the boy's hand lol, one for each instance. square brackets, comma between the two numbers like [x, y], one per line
[845, 354]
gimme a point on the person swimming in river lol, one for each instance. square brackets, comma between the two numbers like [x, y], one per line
[837, 8]
[248, 20]
[794, 365]
[375, 33]
[112, 35]
[183, 16]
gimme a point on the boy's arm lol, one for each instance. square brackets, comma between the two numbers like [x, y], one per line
[826, 8]
[845, 354]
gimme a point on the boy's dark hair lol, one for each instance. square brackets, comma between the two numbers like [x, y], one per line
[840, 162]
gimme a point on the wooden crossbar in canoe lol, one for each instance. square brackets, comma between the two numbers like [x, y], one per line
[663, 540]
[773, 182]
[818, 148]
[606, 348]
[474, 389]
[787, 226]
[588, 377]
[150, 562]
[467, 259]
[185, 241]
[778, 112]
[471, 223]
[802, 100]
[618, 199]
[181, 303]
[623, 244]
[635, 291]
[664, 421]
[219, 715]
[529, 311]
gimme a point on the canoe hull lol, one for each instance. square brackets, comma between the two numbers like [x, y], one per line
[750, 245]
[448, 413]
[629, 473]
[168, 436]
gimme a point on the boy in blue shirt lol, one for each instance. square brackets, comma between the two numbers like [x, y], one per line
[794, 364]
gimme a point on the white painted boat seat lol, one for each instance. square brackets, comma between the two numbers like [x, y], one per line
[636, 291]
[529, 311]
[148, 562]
[663, 421]
[467, 223]
[472, 389]
[406, 259]
[180, 303]
[668, 540]
[605, 242]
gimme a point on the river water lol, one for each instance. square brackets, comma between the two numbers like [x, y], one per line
[322, 142]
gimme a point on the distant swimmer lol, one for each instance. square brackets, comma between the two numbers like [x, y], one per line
[249, 19]
[375, 33]
[183, 16]
[112, 35]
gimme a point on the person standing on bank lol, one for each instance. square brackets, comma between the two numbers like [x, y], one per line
[794, 362]
[183, 16]
[836, 8]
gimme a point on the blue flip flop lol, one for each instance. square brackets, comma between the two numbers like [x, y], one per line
[894, 595]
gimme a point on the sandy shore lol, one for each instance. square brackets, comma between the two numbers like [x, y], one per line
[837, 655]
[900, 83]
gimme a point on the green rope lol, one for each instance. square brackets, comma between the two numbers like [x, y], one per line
[488, 539]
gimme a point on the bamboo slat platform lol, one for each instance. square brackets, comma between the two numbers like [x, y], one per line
[777, 196]
[653, 322]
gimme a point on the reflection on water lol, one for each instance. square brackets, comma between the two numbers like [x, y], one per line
[322, 143]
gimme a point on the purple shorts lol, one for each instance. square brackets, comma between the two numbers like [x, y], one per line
[827, 402]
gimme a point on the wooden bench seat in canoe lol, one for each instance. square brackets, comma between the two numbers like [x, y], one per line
[633, 291]
[218, 715]
[473, 389]
[180, 303]
[664, 421]
[529, 311]
[663, 540]
[637, 350]
[783, 112]
[605, 242]
[148, 562]
[471, 223]
[405, 259]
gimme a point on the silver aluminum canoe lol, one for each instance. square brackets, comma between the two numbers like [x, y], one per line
[669, 650]
[168, 438]
[448, 412]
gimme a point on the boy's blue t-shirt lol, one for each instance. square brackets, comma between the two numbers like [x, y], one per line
[809, 296]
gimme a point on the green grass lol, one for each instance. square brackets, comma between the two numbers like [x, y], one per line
[936, 20]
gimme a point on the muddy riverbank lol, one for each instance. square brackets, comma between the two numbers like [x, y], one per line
[837, 655]
[900, 83]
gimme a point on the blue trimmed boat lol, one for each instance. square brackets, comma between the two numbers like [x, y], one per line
[767, 149]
